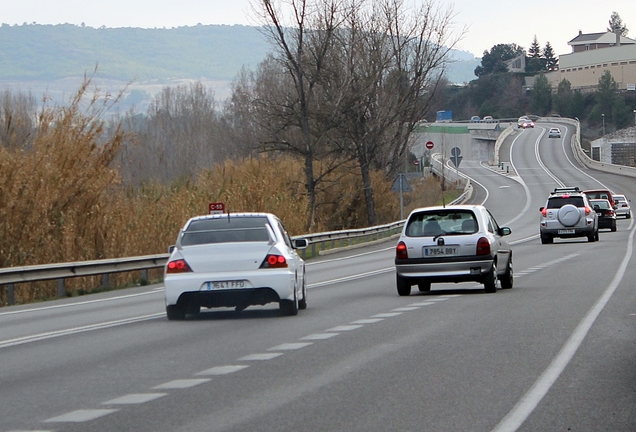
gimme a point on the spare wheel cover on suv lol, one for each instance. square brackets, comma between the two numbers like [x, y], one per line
[569, 215]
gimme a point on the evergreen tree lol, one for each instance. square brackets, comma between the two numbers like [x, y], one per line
[541, 95]
[495, 61]
[535, 50]
[551, 61]
[616, 23]
[606, 95]
[534, 62]
[564, 99]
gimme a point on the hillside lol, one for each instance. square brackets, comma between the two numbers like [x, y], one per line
[54, 58]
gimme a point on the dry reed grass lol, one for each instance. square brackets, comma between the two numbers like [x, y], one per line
[63, 201]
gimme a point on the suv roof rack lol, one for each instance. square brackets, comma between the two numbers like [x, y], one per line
[566, 189]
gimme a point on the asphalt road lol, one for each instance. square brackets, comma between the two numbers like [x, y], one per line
[554, 353]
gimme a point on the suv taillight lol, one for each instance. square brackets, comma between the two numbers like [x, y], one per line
[400, 251]
[483, 246]
[588, 210]
[544, 211]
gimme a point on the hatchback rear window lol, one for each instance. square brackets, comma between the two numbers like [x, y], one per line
[225, 230]
[433, 223]
[558, 202]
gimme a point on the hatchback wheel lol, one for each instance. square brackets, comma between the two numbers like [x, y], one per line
[490, 282]
[403, 286]
[508, 278]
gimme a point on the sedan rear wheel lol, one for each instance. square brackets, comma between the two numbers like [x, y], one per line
[424, 286]
[302, 304]
[403, 286]
[175, 313]
[289, 307]
[490, 283]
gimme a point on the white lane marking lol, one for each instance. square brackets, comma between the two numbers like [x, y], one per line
[135, 398]
[405, 309]
[80, 416]
[526, 405]
[422, 304]
[181, 384]
[319, 336]
[387, 315]
[290, 346]
[368, 321]
[344, 328]
[156, 290]
[260, 356]
[352, 277]
[222, 370]
[58, 333]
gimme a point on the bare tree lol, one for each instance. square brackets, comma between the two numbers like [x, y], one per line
[390, 61]
[289, 84]
[17, 120]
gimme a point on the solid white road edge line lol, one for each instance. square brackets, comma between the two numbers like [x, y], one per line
[520, 412]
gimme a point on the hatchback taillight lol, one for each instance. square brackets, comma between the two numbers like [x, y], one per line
[483, 246]
[400, 251]
[178, 266]
[274, 261]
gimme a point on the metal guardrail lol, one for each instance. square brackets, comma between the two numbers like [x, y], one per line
[318, 242]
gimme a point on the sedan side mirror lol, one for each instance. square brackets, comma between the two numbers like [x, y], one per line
[504, 231]
[300, 243]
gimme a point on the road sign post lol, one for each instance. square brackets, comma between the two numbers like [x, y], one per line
[401, 184]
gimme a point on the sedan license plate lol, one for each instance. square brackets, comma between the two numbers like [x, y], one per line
[566, 231]
[209, 286]
[432, 251]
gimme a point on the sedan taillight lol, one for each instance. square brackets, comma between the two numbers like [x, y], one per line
[483, 246]
[178, 266]
[400, 251]
[274, 261]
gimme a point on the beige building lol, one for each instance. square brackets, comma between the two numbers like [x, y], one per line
[594, 53]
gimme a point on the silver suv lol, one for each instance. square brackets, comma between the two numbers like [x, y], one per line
[568, 213]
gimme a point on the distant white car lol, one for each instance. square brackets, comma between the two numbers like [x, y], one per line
[622, 206]
[554, 133]
[488, 119]
[234, 260]
[525, 122]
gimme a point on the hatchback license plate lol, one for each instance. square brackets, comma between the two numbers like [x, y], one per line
[441, 251]
[209, 286]
[567, 231]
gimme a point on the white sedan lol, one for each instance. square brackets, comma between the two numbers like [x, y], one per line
[554, 133]
[234, 260]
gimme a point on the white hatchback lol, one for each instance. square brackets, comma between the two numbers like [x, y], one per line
[234, 260]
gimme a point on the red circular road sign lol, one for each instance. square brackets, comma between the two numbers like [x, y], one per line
[429, 145]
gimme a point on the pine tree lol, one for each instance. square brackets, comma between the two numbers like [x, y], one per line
[616, 23]
[551, 62]
[535, 50]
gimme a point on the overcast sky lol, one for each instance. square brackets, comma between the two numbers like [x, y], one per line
[489, 22]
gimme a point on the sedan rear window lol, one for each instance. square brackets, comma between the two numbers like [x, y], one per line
[226, 230]
[441, 222]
